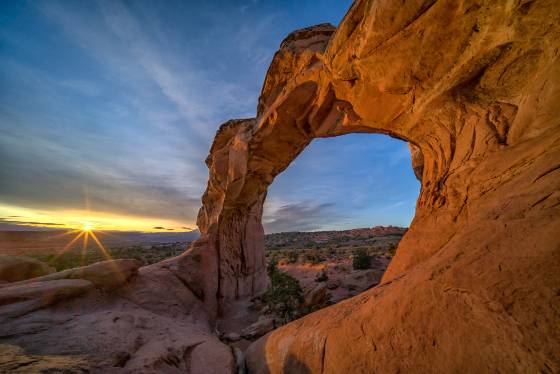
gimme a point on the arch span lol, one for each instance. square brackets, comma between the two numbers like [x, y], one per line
[474, 87]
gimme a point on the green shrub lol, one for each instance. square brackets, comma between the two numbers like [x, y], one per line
[361, 259]
[313, 257]
[321, 277]
[284, 296]
[291, 257]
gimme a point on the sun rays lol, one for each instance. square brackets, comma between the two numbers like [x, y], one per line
[88, 220]
[86, 231]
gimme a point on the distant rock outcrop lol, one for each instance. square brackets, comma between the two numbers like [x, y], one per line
[18, 268]
[105, 274]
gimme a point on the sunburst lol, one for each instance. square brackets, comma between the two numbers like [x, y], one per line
[86, 231]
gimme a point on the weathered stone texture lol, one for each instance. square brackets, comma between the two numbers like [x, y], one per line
[474, 87]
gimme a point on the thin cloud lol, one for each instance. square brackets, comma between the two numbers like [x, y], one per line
[301, 216]
[29, 223]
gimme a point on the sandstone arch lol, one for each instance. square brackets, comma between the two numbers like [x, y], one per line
[473, 85]
[474, 286]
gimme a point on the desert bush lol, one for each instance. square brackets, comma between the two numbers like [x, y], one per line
[392, 249]
[291, 257]
[313, 257]
[361, 259]
[284, 295]
[321, 277]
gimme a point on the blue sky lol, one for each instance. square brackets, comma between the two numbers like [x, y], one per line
[111, 106]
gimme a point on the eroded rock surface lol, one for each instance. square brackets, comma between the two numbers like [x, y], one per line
[474, 285]
[108, 317]
[18, 268]
[474, 87]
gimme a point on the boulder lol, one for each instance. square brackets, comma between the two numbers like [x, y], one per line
[18, 268]
[104, 274]
[316, 296]
[107, 274]
[20, 299]
[259, 328]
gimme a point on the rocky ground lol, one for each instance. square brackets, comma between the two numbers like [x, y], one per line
[323, 265]
[473, 286]
[324, 259]
[123, 305]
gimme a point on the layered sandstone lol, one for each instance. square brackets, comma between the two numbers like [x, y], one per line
[474, 87]
[108, 317]
[18, 268]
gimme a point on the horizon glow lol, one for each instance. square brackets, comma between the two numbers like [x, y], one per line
[94, 220]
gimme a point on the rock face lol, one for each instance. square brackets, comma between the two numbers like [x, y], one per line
[105, 274]
[24, 298]
[108, 317]
[474, 87]
[18, 268]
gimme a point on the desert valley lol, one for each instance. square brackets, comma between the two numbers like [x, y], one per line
[472, 285]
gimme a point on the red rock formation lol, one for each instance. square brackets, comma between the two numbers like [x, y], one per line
[474, 86]
[474, 286]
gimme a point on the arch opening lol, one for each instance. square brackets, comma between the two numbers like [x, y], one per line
[334, 217]
[344, 182]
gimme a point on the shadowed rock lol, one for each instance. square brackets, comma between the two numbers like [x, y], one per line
[18, 268]
[474, 86]
[20, 299]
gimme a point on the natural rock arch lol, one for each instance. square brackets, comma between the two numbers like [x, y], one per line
[473, 86]
[474, 285]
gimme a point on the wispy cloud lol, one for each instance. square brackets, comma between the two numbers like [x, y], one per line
[28, 223]
[134, 54]
[122, 99]
[298, 216]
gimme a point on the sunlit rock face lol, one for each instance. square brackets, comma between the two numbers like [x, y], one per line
[474, 86]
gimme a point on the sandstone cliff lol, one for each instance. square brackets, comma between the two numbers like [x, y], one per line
[474, 87]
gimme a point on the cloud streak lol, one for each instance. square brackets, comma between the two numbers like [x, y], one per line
[298, 216]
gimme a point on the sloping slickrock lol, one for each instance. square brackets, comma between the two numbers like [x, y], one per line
[18, 268]
[151, 324]
[20, 299]
[103, 274]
